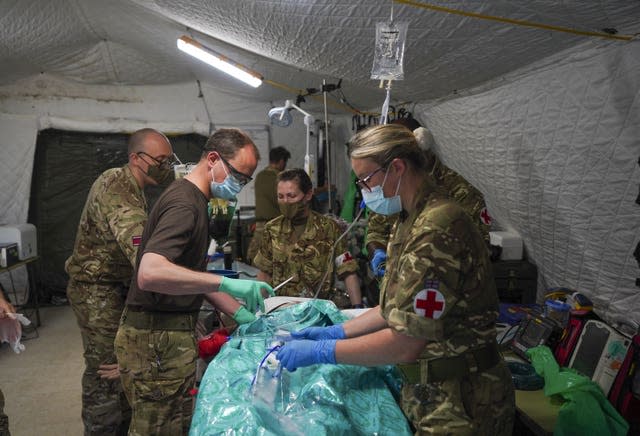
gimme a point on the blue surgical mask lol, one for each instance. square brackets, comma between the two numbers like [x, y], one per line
[377, 202]
[228, 189]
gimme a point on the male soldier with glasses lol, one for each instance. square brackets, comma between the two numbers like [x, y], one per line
[100, 270]
[155, 343]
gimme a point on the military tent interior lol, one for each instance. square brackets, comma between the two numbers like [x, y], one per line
[536, 103]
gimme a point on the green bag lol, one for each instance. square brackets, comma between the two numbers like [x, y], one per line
[585, 409]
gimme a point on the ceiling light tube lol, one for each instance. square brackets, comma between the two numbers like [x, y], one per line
[216, 60]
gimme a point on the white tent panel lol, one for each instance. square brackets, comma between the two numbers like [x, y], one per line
[555, 151]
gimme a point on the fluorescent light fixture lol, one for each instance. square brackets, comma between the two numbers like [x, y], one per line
[216, 60]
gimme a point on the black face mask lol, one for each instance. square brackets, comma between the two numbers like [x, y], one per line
[162, 176]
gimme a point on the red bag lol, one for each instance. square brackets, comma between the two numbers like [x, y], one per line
[625, 392]
[210, 345]
[569, 340]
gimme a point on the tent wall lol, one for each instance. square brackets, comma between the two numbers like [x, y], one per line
[555, 151]
[43, 102]
[554, 148]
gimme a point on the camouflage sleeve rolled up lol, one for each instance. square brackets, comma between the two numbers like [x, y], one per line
[438, 284]
[344, 260]
[110, 229]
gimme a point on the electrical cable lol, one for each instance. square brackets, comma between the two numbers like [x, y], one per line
[206, 107]
[515, 21]
[255, 376]
[506, 333]
[525, 377]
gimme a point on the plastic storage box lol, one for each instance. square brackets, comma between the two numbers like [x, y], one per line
[510, 242]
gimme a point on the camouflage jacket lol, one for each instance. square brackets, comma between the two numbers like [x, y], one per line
[455, 186]
[110, 230]
[463, 192]
[438, 283]
[378, 230]
[307, 258]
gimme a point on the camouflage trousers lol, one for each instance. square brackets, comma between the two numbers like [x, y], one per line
[105, 410]
[4, 419]
[254, 244]
[478, 404]
[157, 369]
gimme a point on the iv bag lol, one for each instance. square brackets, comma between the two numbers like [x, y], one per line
[389, 51]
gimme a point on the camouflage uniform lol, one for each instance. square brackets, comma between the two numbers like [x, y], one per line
[307, 258]
[155, 344]
[158, 372]
[379, 230]
[4, 420]
[456, 187]
[265, 184]
[100, 270]
[438, 286]
[463, 192]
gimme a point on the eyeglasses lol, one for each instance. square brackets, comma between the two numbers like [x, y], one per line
[362, 183]
[164, 164]
[241, 177]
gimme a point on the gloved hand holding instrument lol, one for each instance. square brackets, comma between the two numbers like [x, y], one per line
[247, 290]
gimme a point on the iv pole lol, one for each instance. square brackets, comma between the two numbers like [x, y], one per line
[326, 138]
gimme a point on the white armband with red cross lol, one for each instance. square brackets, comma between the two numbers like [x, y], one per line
[344, 257]
[429, 302]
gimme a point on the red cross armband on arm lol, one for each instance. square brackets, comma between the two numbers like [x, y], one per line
[429, 302]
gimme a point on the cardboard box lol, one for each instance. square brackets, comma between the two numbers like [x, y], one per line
[8, 255]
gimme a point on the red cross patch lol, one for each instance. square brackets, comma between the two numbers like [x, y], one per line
[429, 303]
[136, 240]
[344, 257]
[485, 217]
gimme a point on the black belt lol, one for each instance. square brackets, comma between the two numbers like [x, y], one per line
[146, 320]
[447, 368]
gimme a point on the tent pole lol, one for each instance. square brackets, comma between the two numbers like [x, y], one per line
[326, 136]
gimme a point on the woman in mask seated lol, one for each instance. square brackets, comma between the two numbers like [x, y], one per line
[300, 242]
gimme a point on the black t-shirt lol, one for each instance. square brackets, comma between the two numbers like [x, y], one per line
[177, 229]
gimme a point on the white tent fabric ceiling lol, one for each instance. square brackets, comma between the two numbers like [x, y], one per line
[546, 124]
[296, 43]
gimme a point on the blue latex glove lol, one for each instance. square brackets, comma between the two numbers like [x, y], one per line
[377, 261]
[319, 333]
[248, 290]
[296, 354]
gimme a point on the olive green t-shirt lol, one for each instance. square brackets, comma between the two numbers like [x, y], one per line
[267, 195]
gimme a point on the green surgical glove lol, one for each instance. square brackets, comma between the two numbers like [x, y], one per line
[247, 290]
[243, 316]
